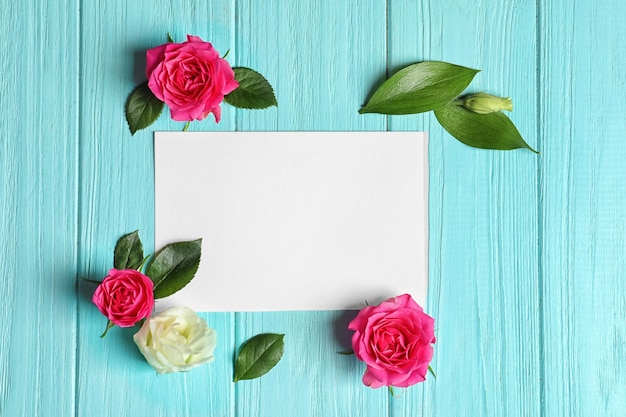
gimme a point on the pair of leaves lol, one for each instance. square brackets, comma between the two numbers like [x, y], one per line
[433, 85]
[254, 92]
[258, 356]
[171, 268]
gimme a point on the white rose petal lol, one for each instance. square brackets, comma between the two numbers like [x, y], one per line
[176, 340]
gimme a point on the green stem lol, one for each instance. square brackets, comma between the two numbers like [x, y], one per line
[109, 325]
[92, 280]
[186, 126]
[140, 267]
[430, 369]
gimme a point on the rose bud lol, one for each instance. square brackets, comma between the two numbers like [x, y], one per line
[483, 103]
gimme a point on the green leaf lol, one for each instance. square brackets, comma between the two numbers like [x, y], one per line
[258, 356]
[128, 252]
[487, 131]
[420, 88]
[142, 108]
[254, 91]
[174, 266]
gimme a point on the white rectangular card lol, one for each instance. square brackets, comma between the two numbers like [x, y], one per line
[295, 220]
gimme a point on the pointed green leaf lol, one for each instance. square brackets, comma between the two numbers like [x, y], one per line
[174, 266]
[258, 356]
[128, 252]
[420, 88]
[487, 131]
[142, 108]
[254, 91]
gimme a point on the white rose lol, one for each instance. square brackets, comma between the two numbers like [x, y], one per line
[176, 340]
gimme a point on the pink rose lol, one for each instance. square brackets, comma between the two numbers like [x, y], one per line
[394, 340]
[125, 297]
[190, 77]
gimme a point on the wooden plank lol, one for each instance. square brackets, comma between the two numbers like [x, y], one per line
[117, 196]
[582, 108]
[484, 283]
[38, 184]
[322, 57]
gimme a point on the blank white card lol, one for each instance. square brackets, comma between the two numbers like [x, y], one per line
[295, 220]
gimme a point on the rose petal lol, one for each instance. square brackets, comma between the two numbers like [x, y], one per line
[153, 57]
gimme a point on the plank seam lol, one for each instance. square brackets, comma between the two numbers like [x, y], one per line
[235, 317]
[540, 214]
[387, 53]
[387, 48]
[77, 197]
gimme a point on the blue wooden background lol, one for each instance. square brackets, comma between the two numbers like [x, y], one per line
[527, 252]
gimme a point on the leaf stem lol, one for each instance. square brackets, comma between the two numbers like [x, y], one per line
[92, 280]
[430, 369]
[186, 126]
[140, 267]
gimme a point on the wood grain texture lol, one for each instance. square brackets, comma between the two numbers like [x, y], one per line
[583, 108]
[322, 57]
[38, 144]
[526, 252]
[483, 281]
[117, 196]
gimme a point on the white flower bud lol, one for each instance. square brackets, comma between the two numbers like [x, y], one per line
[483, 103]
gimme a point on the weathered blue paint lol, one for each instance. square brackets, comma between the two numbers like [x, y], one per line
[527, 252]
